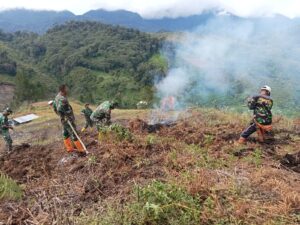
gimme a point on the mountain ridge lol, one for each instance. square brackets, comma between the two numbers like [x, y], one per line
[39, 21]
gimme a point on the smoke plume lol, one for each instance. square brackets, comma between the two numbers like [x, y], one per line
[226, 60]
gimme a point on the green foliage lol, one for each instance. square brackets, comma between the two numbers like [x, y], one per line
[100, 61]
[162, 203]
[92, 160]
[97, 61]
[156, 204]
[116, 132]
[151, 139]
[208, 139]
[156, 67]
[204, 157]
[82, 84]
[27, 88]
[7, 65]
[9, 189]
[120, 132]
[255, 157]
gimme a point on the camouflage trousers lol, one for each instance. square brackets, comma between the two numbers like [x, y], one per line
[249, 130]
[88, 123]
[68, 132]
[7, 138]
[102, 125]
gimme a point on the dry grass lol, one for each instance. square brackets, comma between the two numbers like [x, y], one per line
[197, 154]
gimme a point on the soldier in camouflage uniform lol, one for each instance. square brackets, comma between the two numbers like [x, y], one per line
[102, 114]
[65, 111]
[87, 112]
[262, 121]
[4, 128]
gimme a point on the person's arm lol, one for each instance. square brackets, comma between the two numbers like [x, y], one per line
[271, 105]
[60, 107]
[252, 102]
[55, 108]
[6, 125]
[64, 109]
[90, 112]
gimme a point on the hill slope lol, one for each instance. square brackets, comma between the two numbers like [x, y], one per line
[97, 61]
[30, 83]
[187, 173]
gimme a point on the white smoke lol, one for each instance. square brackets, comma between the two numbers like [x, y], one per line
[228, 59]
[176, 80]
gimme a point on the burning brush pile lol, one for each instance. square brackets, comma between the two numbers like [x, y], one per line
[141, 126]
[159, 119]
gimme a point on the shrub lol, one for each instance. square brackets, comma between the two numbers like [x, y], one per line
[115, 132]
[9, 189]
[162, 203]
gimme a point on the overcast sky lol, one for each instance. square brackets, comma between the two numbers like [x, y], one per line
[161, 8]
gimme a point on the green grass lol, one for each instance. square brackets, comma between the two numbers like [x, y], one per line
[6, 79]
[9, 189]
[115, 132]
[157, 203]
[255, 158]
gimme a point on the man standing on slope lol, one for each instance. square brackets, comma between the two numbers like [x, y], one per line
[4, 128]
[87, 112]
[65, 111]
[102, 114]
[262, 121]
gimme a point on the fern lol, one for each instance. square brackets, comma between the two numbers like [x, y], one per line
[9, 189]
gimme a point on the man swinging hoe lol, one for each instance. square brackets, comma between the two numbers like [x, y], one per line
[262, 120]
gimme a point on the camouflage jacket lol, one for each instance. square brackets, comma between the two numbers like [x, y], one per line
[54, 107]
[3, 122]
[63, 108]
[87, 112]
[261, 106]
[103, 111]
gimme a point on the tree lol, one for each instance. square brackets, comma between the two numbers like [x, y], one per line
[26, 88]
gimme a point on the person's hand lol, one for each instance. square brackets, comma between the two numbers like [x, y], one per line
[249, 99]
[11, 127]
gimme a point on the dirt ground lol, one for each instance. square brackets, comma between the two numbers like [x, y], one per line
[57, 186]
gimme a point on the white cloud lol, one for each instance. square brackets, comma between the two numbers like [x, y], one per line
[160, 8]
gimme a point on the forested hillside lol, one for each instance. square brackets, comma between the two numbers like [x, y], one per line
[97, 61]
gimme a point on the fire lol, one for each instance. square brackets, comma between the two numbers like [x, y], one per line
[168, 103]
